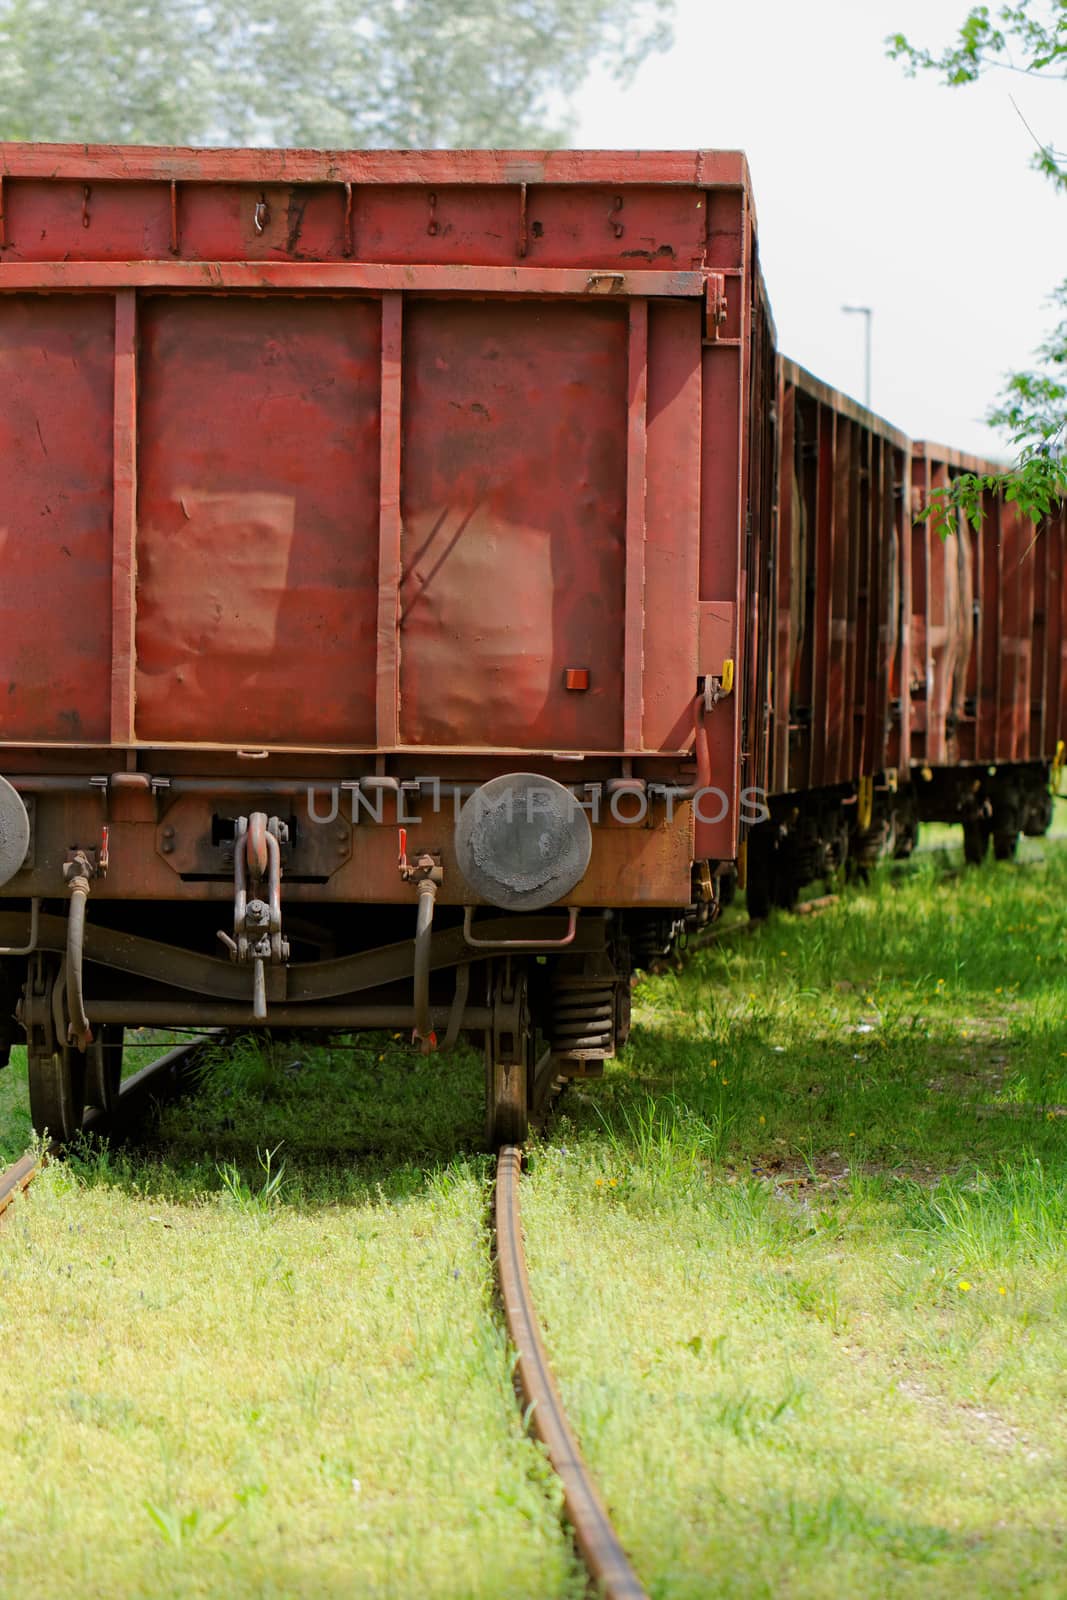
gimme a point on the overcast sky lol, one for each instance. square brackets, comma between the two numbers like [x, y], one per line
[871, 188]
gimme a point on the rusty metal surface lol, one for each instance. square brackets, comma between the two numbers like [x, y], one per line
[293, 277]
[301, 983]
[16, 1179]
[362, 417]
[210, 1013]
[673, 445]
[129, 164]
[258, 525]
[988, 619]
[184, 854]
[840, 649]
[56, 405]
[513, 507]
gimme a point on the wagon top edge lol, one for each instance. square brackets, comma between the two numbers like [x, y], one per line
[136, 163]
[792, 372]
[944, 455]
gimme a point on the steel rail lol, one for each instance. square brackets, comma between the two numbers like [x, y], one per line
[21, 1173]
[597, 1541]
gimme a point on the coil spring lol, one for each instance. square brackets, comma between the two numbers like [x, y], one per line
[807, 860]
[652, 941]
[582, 1019]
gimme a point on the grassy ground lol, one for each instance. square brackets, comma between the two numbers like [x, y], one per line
[235, 1373]
[801, 1257]
[809, 1302]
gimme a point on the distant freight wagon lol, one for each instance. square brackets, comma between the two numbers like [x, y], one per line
[421, 584]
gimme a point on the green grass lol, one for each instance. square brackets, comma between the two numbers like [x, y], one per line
[260, 1356]
[801, 1257]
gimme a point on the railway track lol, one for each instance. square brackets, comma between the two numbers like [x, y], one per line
[610, 1572]
[159, 1077]
[609, 1568]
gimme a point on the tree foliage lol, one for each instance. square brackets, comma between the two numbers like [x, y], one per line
[1031, 38]
[333, 73]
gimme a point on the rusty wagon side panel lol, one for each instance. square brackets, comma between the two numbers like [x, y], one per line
[345, 463]
[841, 647]
[989, 614]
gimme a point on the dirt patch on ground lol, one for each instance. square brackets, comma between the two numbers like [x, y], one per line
[790, 1176]
[980, 1427]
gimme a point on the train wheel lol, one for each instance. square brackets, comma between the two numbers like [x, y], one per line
[56, 1069]
[976, 840]
[103, 1068]
[786, 880]
[509, 1046]
[57, 1089]
[507, 1113]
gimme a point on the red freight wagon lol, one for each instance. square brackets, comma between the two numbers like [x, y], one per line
[356, 507]
[988, 661]
[910, 674]
[833, 638]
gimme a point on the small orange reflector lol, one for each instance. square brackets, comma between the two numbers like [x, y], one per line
[576, 678]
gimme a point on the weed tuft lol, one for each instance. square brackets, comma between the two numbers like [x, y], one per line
[263, 1201]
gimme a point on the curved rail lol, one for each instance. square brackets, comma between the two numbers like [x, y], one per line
[597, 1541]
[18, 1177]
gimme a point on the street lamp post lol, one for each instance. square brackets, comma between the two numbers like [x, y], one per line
[868, 313]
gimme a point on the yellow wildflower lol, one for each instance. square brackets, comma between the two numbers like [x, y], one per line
[963, 1285]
